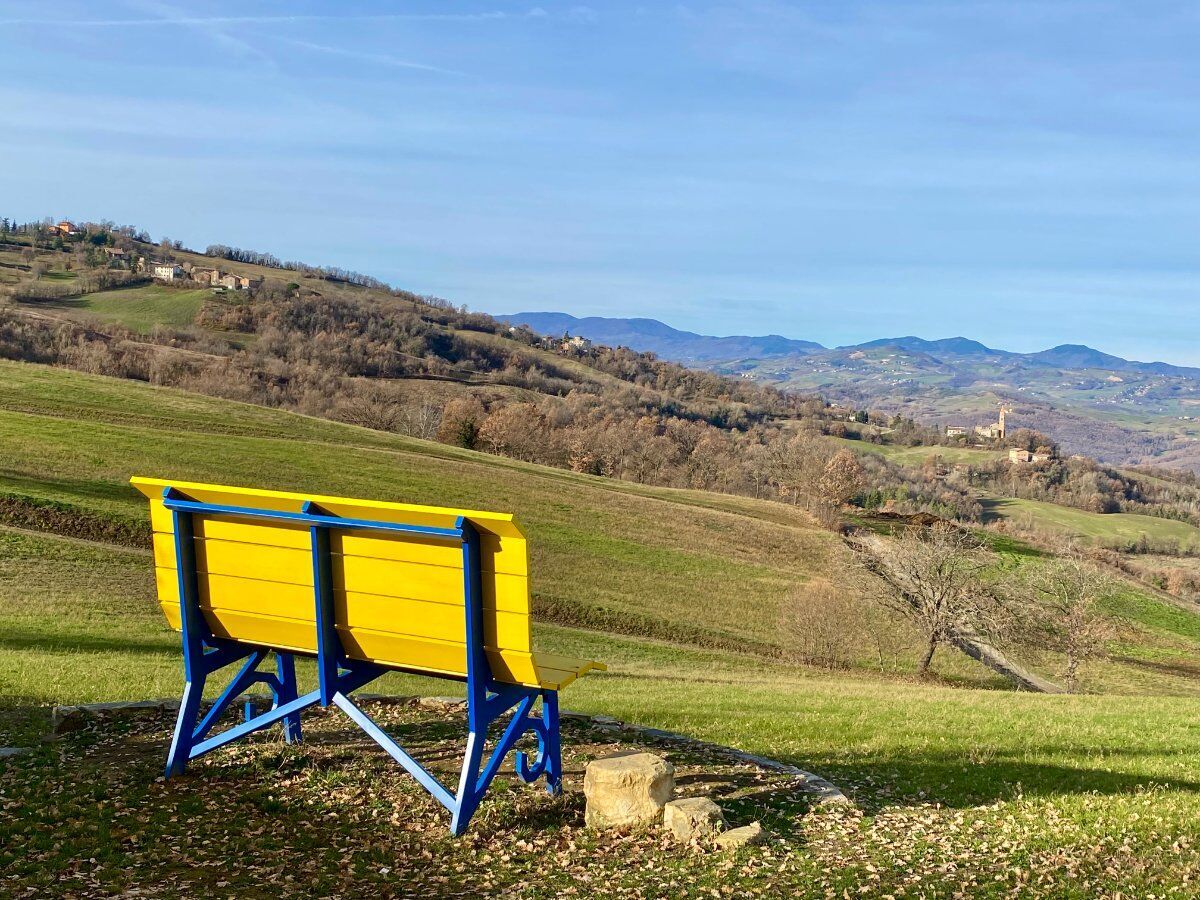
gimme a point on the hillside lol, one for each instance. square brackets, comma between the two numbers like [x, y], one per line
[659, 338]
[1094, 403]
[603, 558]
[679, 591]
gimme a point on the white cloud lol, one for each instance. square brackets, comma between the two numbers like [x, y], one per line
[381, 59]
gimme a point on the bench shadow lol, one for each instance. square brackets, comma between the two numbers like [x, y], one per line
[86, 643]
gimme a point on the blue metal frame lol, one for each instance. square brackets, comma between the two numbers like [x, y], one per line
[337, 675]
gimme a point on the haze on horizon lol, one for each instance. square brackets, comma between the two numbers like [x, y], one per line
[1022, 174]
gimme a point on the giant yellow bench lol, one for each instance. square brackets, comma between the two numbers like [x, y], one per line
[365, 587]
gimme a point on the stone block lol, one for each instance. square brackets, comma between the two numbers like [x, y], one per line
[627, 789]
[693, 818]
[746, 836]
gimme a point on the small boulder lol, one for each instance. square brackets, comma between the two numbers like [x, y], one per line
[627, 789]
[692, 818]
[442, 704]
[746, 836]
[67, 718]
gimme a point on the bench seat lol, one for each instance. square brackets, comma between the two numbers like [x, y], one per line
[397, 601]
[365, 587]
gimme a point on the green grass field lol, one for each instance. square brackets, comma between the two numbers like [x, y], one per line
[914, 456]
[980, 789]
[1107, 529]
[141, 308]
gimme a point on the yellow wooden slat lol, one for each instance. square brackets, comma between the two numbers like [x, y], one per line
[434, 584]
[508, 552]
[503, 524]
[398, 615]
[503, 555]
[506, 630]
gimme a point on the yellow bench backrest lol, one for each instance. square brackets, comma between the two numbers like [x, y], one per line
[398, 599]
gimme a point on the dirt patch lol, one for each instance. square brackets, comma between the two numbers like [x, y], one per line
[35, 514]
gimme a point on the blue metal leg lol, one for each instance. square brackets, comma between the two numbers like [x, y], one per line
[468, 794]
[553, 745]
[245, 677]
[182, 741]
[285, 673]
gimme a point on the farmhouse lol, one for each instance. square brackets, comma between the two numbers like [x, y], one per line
[575, 343]
[1020, 455]
[66, 227]
[166, 271]
[117, 258]
[956, 430]
[235, 282]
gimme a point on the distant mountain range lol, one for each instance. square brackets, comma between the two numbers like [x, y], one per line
[653, 336]
[1113, 409]
[688, 347]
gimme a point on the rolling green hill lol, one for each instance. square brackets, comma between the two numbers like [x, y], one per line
[1108, 529]
[678, 590]
[141, 308]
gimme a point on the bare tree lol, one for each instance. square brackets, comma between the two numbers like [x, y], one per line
[423, 419]
[515, 429]
[461, 419]
[374, 409]
[1070, 589]
[842, 478]
[934, 574]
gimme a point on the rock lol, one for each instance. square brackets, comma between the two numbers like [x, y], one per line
[66, 718]
[442, 704]
[74, 718]
[627, 789]
[12, 751]
[692, 818]
[746, 836]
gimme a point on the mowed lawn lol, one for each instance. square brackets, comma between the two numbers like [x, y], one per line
[986, 792]
[644, 560]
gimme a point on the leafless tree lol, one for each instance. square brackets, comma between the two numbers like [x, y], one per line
[1066, 594]
[372, 409]
[461, 419]
[934, 577]
[842, 478]
[422, 419]
[517, 430]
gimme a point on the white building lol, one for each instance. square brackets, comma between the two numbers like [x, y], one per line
[166, 271]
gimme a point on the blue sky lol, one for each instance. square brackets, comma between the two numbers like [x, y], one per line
[1024, 173]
